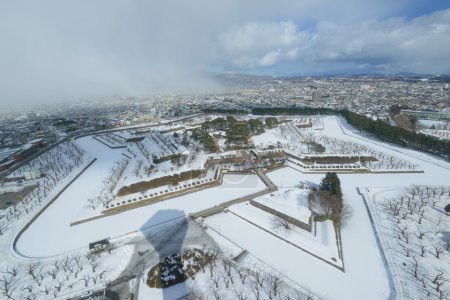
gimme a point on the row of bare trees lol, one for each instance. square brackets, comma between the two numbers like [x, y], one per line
[55, 165]
[228, 280]
[416, 231]
[40, 280]
[106, 195]
[301, 139]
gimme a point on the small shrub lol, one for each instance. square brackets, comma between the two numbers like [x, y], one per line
[447, 208]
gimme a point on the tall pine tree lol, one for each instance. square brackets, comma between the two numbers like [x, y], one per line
[332, 184]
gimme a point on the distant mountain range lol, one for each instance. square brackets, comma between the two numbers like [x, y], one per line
[249, 79]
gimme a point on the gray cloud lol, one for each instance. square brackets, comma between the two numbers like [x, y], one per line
[65, 50]
[391, 45]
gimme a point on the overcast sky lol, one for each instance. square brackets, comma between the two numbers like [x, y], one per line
[66, 50]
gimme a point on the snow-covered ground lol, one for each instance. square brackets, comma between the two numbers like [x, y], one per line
[320, 242]
[67, 208]
[365, 271]
[414, 231]
[291, 202]
[358, 244]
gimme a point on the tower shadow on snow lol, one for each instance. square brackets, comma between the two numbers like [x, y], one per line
[166, 232]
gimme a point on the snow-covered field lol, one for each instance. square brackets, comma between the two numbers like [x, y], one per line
[415, 234]
[320, 242]
[30, 243]
[291, 202]
[366, 275]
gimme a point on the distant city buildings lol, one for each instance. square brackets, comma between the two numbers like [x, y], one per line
[373, 96]
[428, 115]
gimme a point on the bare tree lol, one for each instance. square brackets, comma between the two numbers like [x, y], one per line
[405, 249]
[13, 270]
[77, 271]
[86, 278]
[242, 274]
[422, 250]
[406, 236]
[438, 277]
[227, 266]
[7, 287]
[240, 293]
[90, 256]
[439, 280]
[420, 234]
[274, 281]
[280, 223]
[57, 264]
[256, 286]
[415, 268]
[226, 280]
[91, 203]
[94, 278]
[28, 288]
[46, 290]
[438, 250]
[394, 207]
[38, 277]
[94, 265]
[421, 217]
[33, 269]
[76, 258]
[214, 254]
[102, 273]
[66, 264]
[216, 279]
[53, 273]
[59, 286]
[402, 230]
[211, 269]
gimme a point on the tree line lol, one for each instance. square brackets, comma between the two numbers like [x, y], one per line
[397, 135]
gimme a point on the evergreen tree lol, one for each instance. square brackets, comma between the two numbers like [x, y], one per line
[332, 184]
[271, 122]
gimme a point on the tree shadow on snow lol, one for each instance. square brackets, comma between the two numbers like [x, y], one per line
[446, 240]
[166, 232]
